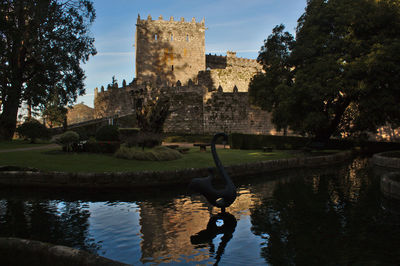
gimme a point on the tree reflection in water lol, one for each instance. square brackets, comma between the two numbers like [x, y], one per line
[328, 220]
[63, 223]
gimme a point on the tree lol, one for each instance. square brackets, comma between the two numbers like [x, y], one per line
[114, 83]
[339, 75]
[151, 111]
[53, 111]
[267, 88]
[42, 44]
[33, 129]
[55, 115]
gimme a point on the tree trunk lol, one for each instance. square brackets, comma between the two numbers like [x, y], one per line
[65, 124]
[8, 119]
[324, 134]
[29, 106]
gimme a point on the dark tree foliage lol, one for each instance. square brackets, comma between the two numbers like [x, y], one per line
[33, 129]
[151, 113]
[55, 115]
[54, 112]
[340, 74]
[266, 90]
[42, 43]
[107, 133]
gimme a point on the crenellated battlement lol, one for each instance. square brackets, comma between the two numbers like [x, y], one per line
[171, 19]
[230, 60]
[168, 49]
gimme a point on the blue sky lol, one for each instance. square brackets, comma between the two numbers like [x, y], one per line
[236, 25]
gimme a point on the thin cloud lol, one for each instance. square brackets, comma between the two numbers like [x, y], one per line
[234, 50]
[236, 22]
[115, 53]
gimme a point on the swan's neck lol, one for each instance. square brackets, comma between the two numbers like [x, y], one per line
[217, 161]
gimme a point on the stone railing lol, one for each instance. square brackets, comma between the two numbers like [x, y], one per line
[383, 159]
[390, 185]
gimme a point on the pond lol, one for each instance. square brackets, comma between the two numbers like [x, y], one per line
[329, 216]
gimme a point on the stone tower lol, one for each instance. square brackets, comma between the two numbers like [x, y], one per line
[168, 51]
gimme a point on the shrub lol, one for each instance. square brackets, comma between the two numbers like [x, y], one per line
[91, 146]
[83, 134]
[148, 139]
[33, 129]
[128, 132]
[67, 140]
[107, 133]
[157, 154]
[191, 138]
[101, 146]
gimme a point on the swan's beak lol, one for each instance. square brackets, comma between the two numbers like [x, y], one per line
[220, 202]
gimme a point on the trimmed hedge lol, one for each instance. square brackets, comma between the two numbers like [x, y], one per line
[101, 146]
[191, 138]
[128, 133]
[251, 142]
[157, 154]
[248, 142]
[107, 133]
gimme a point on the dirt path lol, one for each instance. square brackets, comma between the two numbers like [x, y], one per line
[31, 148]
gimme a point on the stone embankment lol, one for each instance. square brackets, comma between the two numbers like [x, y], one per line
[385, 159]
[390, 185]
[16, 251]
[154, 178]
[390, 182]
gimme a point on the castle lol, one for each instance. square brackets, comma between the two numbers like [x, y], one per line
[208, 93]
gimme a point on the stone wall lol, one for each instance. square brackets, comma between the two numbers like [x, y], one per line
[187, 110]
[169, 50]
[194, 109]
[231, 112]
[112, 102]
[230, 72]
[79, 113]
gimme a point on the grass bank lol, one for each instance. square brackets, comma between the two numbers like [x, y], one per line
[55, 160]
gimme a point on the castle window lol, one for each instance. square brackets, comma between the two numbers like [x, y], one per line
[155, 37]
[172, 37]
[172, 67]
[187, 37]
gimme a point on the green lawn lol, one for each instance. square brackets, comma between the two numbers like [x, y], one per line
[55, 160]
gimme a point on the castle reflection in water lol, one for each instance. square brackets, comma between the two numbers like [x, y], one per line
[333, 215]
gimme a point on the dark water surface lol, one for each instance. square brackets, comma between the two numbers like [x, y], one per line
[328, 216]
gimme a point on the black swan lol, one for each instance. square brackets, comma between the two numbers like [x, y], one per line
[221, 198]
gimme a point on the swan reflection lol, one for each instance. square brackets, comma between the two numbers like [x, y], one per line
[223, 223]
